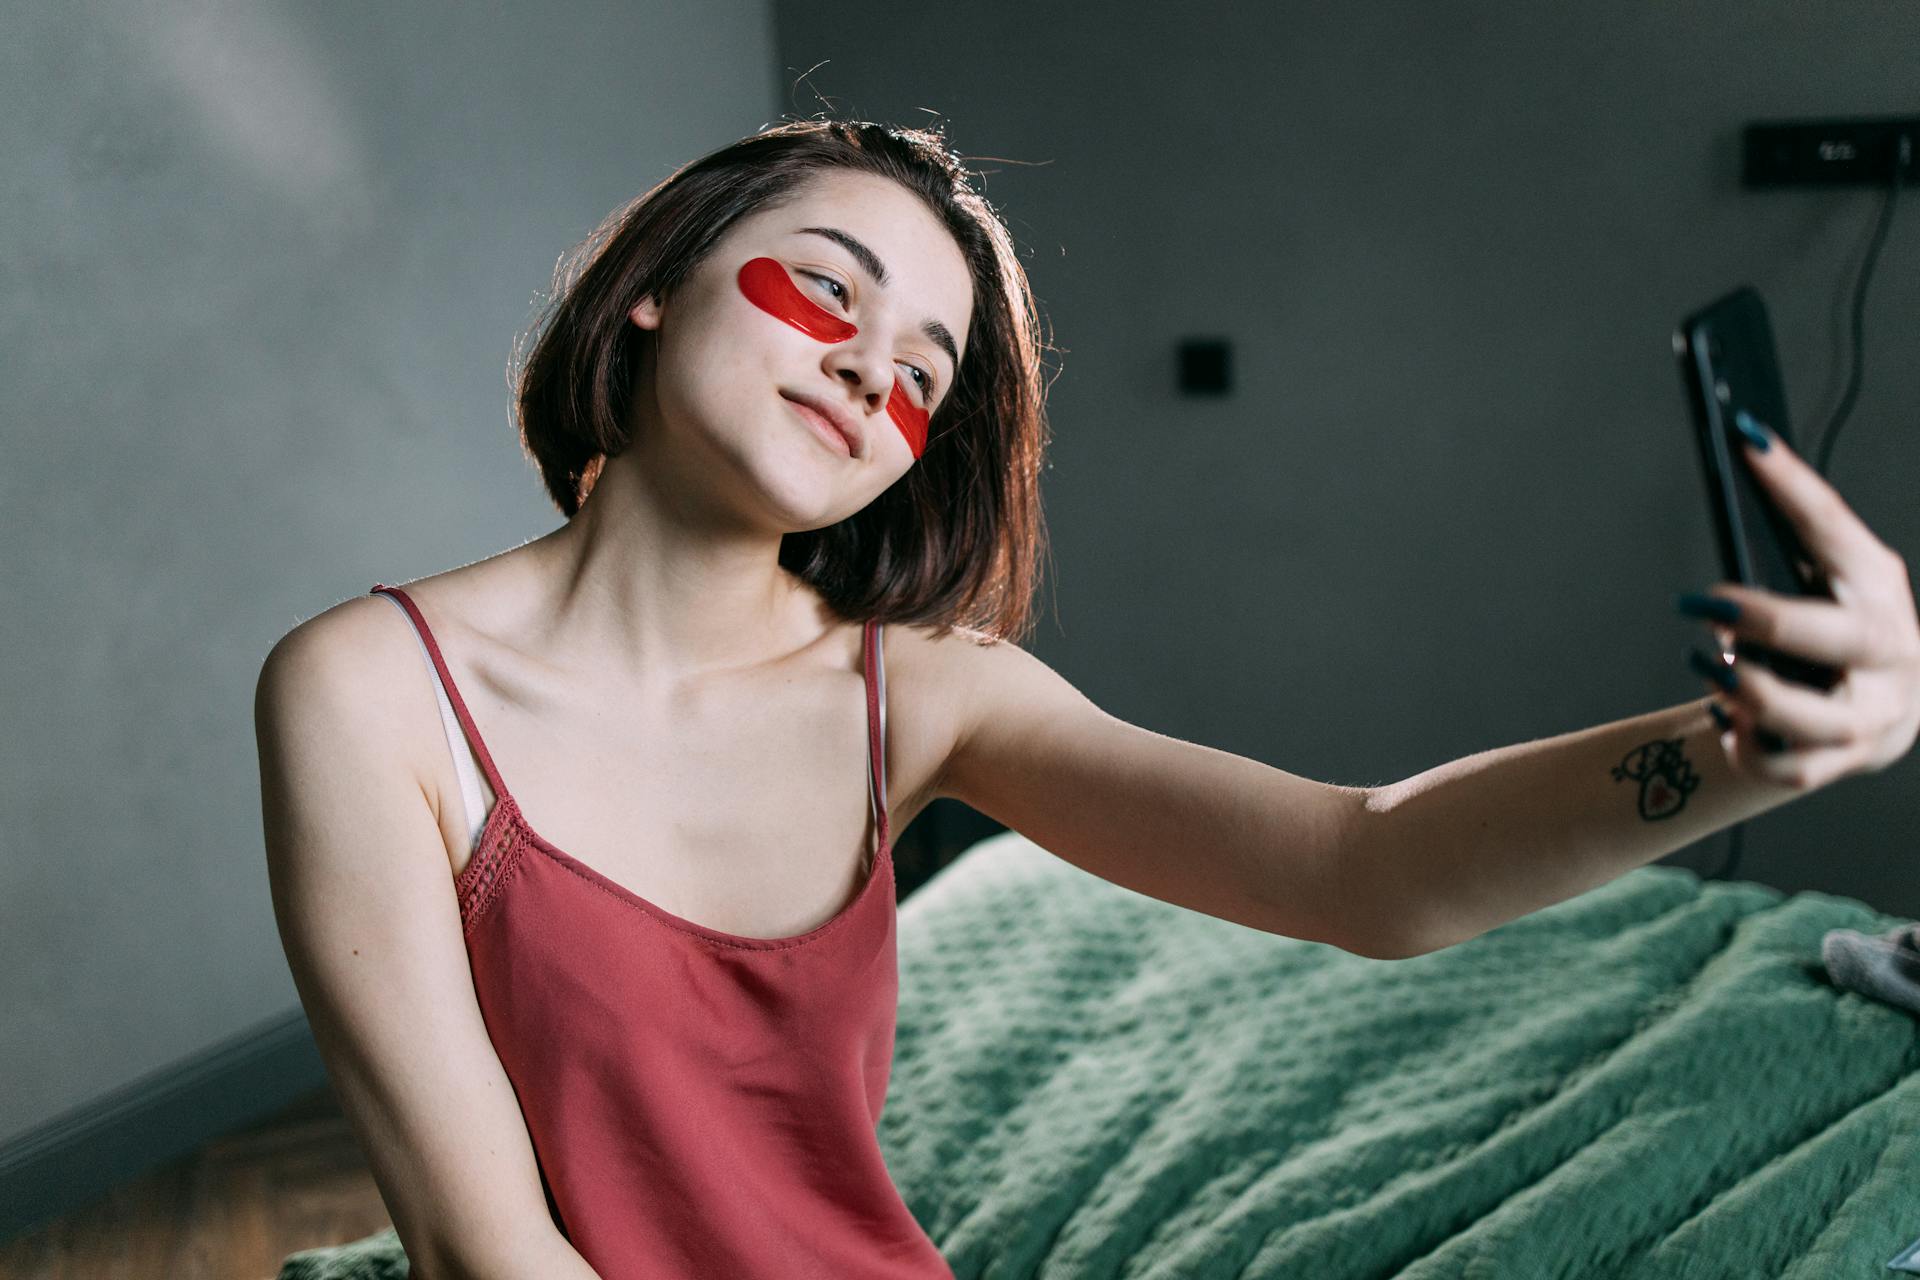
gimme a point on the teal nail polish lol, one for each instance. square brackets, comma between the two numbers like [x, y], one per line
[1696, 605]
[1718, 672]
[1752, 428]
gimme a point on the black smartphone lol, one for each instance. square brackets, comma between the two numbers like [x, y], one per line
[1728, 366]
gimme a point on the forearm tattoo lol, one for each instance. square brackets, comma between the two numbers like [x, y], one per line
[1666, 777]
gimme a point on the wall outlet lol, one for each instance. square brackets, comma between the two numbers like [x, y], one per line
[1849, 151]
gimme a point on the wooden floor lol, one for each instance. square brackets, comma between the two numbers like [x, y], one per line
[230, 1211]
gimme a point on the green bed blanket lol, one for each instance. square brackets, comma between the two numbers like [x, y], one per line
[1654, 1079]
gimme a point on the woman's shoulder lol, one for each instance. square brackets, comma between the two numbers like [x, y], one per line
[367, 638]
[361, 640]
[363, 653]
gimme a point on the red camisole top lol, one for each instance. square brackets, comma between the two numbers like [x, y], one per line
[701, 1104]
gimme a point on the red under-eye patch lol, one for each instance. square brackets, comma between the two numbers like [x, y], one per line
[767, 285]
[909, 417]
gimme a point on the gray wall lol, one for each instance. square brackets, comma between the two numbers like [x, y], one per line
[261, 266]
[262, 271]
[1456, 489]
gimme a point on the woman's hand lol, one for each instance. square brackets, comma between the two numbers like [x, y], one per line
[1868, 631]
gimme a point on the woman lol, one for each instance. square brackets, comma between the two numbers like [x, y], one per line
[792, 394]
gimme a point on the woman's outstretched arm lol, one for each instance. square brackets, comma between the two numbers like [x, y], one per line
[1188, 824]
[1490, 837]
[1444, 856]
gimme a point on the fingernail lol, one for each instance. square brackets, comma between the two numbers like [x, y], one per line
[1696, 605]
[1754, 430]
[1718, 672]
[1720, 717]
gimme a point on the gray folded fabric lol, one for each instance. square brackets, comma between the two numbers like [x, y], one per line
[376, 1257]
[1886, 966]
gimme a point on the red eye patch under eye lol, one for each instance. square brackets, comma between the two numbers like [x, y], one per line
[767, 286]
[909, 417]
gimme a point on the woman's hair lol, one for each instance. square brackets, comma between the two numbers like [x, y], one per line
[957, 542]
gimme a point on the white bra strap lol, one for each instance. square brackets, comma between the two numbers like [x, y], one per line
[880, 695]
[463, 762]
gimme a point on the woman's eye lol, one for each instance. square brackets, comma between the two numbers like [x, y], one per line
[814, 275]
[926, 381]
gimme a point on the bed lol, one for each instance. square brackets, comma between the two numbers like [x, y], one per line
[1655, 1079]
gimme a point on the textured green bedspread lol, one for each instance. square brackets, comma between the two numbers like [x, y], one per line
[1654, 1079]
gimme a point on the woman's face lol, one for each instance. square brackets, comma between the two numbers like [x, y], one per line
[785, 308]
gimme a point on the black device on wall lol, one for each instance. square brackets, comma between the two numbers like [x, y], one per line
[1843, 151]
[1206, 366]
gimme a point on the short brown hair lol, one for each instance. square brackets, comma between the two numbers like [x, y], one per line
[957, 542]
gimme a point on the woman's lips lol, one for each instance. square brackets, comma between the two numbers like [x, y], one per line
[824, 429]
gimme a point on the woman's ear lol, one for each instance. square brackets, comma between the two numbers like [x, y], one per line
[646, 312]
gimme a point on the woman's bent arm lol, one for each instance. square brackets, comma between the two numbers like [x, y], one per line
[364, 899]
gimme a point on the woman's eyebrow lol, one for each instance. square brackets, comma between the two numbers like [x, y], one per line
[877, 270]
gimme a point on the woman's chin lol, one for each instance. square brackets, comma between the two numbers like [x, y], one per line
[800, 501]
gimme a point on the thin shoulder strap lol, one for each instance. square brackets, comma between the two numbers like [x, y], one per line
[876, 673]
[453, 691]
[465, 767]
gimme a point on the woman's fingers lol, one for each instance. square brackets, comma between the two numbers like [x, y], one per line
[1802, 769]
[1802, 715]
[1838, 539]
[1820, 631]
[1868, 633]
